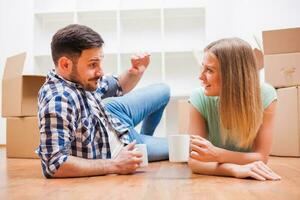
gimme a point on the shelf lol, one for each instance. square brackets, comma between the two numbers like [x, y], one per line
[138, 4]
[43, 64]
[46, 25]
[182, 4]
[110, 64]
[184, 29]
[140, 31]
[41, 6]
[152, 75]
[104, 23]
[171, 30]
[90, 5]
[182, 72]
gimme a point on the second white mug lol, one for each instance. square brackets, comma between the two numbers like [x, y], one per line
[179, 147]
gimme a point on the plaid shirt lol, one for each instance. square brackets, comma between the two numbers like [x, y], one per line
[73, 121]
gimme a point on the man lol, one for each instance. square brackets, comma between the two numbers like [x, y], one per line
[84, 134]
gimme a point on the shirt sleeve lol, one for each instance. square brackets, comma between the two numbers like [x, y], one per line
[56, 124]
[268, 94]
[110, 87]
[197, 100]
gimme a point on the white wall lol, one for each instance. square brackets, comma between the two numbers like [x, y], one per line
[243, 18]
[16, 21]
[224, 18]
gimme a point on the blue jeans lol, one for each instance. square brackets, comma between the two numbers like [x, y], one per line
[146, 104]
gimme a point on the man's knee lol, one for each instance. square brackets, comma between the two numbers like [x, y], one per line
[163, 91]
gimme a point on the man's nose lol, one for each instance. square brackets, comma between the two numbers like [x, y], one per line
[99, 71]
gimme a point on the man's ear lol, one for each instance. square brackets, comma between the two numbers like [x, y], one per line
[65, 64]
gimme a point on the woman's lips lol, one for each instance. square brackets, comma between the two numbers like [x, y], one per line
[206, 86]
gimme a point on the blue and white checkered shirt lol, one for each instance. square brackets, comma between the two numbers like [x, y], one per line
[73, 121]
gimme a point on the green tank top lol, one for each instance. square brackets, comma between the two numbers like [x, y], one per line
[208, 107]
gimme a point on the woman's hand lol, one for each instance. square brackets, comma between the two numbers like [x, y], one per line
[203, 150]
[257, 170]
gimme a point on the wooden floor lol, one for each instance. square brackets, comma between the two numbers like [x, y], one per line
[22, 179]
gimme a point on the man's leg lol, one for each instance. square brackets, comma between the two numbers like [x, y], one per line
[146, 104]
[157, 147]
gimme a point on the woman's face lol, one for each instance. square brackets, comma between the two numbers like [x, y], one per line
[210, 76]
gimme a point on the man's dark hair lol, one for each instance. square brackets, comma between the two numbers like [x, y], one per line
[71, 40]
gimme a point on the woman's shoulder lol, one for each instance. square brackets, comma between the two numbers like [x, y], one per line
[268, 94]
[198, 95]
[267, 86]
[201, 102]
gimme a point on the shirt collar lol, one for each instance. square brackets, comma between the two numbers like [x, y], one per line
[53, 76]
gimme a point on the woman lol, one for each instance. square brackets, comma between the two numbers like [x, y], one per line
[232, 116]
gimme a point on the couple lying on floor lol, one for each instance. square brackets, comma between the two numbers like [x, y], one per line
[87, 119]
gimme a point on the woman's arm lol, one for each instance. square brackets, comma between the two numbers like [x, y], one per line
[262, 144]
[256, 170]
[207, 152]
[196, 124]
[206, 159]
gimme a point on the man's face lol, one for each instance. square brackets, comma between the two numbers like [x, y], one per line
[88, 69]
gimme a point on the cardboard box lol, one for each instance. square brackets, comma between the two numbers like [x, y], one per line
[286, 134]
[281, 41]
[282, 70]
[22, 135]
[183, 116]
[19, 92]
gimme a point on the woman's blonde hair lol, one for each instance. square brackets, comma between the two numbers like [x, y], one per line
[240, 105]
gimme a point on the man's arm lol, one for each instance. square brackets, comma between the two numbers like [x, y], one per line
[129, 79]
[57, 128]
[125, 163]
[77, 167]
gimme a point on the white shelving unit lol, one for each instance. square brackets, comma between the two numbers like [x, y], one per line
[105, 23]
[181, 72]
[168, 29]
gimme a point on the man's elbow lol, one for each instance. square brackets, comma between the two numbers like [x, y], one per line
[64, 171]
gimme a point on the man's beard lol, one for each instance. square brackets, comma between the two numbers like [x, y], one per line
[74, 78]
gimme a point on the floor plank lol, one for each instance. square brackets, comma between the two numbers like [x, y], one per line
[22, 179]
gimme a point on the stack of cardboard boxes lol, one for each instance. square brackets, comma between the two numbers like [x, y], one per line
[282, 70]
[19, 106]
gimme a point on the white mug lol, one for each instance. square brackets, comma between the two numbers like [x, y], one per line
[179, 148]
[143, 149]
